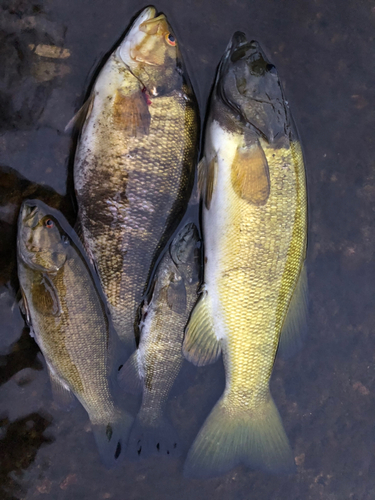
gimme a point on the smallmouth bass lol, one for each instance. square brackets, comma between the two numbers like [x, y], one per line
[135, 162]
[156, 363]
[68, 319]
[252, 180]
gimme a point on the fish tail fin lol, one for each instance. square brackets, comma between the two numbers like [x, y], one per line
[231, 436]
[154, 437]
[111, 436]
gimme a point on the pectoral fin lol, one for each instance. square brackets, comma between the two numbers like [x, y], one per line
[176, 295]
[131, 114]
[295, 325]
[201, 346]
[45, 297]
[250, 174]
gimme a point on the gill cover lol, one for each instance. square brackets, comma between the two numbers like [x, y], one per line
[248, 84]
[42, 243]
[150, 50]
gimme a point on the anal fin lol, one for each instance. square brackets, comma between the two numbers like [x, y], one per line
[201, 346]
[62, 395]
[295, 324]
[129, 376]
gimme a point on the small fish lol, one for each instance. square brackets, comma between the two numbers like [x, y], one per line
[135, 163]
[155, 365]
[68, 318]
[252, 180]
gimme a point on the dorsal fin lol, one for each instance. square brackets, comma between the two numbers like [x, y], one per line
[295, 324]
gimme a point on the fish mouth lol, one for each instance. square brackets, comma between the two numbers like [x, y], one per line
[136, 36]
[236, 49]
[240, 54]
[239, 48]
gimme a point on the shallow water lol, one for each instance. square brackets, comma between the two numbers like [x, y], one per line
[323, 52]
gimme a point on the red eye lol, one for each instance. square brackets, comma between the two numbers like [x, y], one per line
[170, 39]
[49, 223]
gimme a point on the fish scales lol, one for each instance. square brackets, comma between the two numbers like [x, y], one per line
[252, 180]
[158, 359]
[78, 357]
[255, 296]
[134, 172]
[68, 317]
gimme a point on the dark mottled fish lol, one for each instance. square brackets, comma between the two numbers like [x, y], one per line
[135, 162]
[155, 365]
[253, 187]
[68, 319]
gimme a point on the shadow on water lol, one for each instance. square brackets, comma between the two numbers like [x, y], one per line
[19, 442]
[23, 354]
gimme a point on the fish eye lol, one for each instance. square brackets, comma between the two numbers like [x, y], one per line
[49, 223]
[171, 40]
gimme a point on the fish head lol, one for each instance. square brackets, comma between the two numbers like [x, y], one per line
[42, 243]
[151, 52]
[185, 251]
[248, 83]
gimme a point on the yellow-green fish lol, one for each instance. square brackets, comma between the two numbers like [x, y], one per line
[254, 227]
[157, 361]
[68, 318]
[135, 162]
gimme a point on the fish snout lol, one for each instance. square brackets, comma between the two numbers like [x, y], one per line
[29, 211]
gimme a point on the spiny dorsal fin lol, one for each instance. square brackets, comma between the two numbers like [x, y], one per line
[81, 116]
[201, 346]
[250, 174]
[295, 324]
[131, 113]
